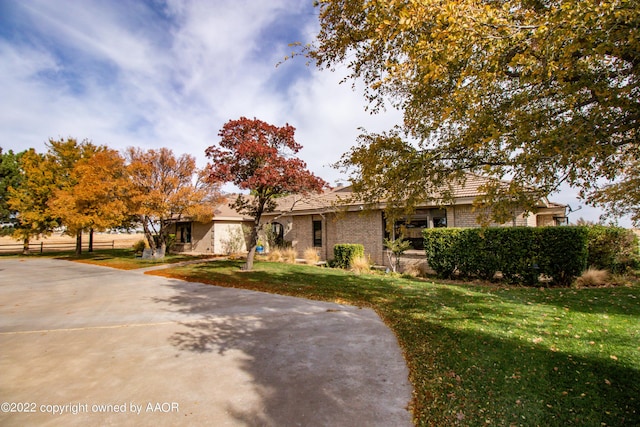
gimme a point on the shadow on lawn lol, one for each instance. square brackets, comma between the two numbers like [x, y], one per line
[305, 359]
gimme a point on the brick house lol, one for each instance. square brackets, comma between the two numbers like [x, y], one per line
[324, 220]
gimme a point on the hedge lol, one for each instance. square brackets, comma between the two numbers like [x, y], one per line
[613, 248]
[521, 254]
[345, 252]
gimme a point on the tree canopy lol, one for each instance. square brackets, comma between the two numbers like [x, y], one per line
[9, 177]
[165, 189]
[257, 156]
[29, 199]
[47, 194]
[535, 91]
[94, 197]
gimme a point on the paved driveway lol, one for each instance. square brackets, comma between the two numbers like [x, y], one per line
[87, 345]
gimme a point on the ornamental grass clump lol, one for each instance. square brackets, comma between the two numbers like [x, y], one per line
[275, 255]
[360, 264]
[593, 277]
[289, 255]
[311, 256]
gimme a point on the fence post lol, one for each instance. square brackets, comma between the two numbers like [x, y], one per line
[41, 247]
[113, 244]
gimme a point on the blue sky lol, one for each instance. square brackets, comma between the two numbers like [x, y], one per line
[170, 73]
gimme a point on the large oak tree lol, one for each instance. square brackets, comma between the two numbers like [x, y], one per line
[540, 92]
[259, 157]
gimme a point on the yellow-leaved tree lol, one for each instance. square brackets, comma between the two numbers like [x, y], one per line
[540, 92]
[29, 198]
[95, 195]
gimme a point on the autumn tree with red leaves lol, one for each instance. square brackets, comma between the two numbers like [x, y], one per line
[259, 157]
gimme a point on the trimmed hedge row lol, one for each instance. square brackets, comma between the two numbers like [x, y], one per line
[345, 252]
[521, 254]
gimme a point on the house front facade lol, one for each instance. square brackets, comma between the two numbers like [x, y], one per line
[324, 220]
[224, 235]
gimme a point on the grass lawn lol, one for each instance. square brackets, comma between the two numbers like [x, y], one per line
[484, 355]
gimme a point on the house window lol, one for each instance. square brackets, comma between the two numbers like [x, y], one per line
[317, 234]
[184, 232]
[410, 228]
[440, 220]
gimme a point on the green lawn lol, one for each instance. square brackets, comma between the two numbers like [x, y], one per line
[485, 355]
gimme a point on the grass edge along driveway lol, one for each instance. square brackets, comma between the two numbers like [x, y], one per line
[484, 355]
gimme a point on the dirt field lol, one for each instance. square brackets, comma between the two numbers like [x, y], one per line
[119, 241]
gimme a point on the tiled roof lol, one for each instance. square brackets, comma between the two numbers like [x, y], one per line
[342, 197]
[224, 212]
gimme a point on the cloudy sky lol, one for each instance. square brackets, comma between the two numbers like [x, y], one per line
[170, 73]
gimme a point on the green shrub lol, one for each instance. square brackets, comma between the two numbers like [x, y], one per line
[563, 254]
[521, 254]
[441, 247]
[612, 248]
[344, 253]
[478, 252]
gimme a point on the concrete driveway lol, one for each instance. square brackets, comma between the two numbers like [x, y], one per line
[87, 345]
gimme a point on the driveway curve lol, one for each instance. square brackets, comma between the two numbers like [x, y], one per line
[88, 345]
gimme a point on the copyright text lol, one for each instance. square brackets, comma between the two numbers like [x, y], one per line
[86, 408]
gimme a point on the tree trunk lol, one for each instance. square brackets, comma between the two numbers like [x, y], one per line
[147, 234]
[90, 240]
[252, 251]
[79, 243]
[253, 242]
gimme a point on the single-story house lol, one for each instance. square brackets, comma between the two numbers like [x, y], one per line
[225, 234]
[324, 220]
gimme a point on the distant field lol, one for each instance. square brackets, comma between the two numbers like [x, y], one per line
[120, 240]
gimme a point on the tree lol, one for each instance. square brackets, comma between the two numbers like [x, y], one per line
[540, 92]
[259, 157]
[9, 177]
[94, 197]
[63, 157]
[30, 198]
[623, 197]
[396, 248]
[166, 189]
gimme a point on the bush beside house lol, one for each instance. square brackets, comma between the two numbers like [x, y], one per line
[521, 254]
[613, 248]
[344, 254]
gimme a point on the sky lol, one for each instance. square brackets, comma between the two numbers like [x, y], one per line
[170, 73]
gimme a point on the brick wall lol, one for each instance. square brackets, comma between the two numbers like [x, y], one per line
[301, 233]
[466, 216]
[363, 227]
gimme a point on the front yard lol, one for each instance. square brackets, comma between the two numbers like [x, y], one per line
[484, 355]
